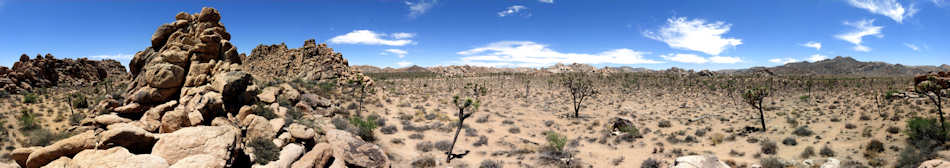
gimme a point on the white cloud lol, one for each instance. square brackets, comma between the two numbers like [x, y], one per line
[696, 35]
[371, 38]
[531, 54]
[938, 3]
[783, 60]
[861, 28]
[114, 57]
[912, 46]
[403, 63]
[889, 8]
[516, 9]
[552, 1]
[403, 35]
[685, 58]
[813, 44]
[725, 60]
[420, 7]
[817, 57]
[399, 53]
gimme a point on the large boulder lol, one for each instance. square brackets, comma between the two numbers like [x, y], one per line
[66, 147]
[21, 154]
[318, 157]
[699, 161]
[936, 163]
[217, 141]
[257, 127]
[299, 131]
[287, 156]
[133, 138]
[200, 161]
[116, 157]
[355, 151]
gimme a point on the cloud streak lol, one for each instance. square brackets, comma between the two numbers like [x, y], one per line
[861, 28]
[696, 59]
[420, 7]
[812, 44]
[516, 9]
[399, 53]
[889, 8]
[368, 37]
[531, 54]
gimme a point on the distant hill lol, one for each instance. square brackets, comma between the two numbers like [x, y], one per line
[846, 66]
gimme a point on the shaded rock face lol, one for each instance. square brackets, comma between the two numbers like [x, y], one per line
[47, 71]
[191, 60]
[311, 62]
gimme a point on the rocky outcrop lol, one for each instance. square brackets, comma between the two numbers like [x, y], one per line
[310, 62]
[116, 157]
[216, 141]
[355, 151]
[48, 71]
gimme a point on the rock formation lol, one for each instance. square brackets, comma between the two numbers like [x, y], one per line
[47, 71]
[311, 62]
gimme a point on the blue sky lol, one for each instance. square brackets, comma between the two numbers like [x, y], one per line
[696, 34]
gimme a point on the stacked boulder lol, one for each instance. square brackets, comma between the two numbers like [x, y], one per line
[48, 71]
[195, 107]
[312, 62]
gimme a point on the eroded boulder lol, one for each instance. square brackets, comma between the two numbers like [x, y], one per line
[217, 141]
[355, 151]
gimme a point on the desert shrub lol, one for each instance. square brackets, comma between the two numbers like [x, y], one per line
[389, 130]
[911, 157]
[769, 147]
[700, 133]
[802, 131]
[76, 118]
[921, 129]
[664, 124]
[416, 136]
[78, 100]
[490, 164]
[874, 146]
[424, 146]
[4, 94]
[264, 111]
[30, 98]
[771, 162]
[850, 126]
[514, 130]
[631, 130]
[44, 137]
[789, 141]
[555, 140]
[893, 130]
[852, 164]
[443, 145]
[424, 162]
[364, 127]
[808, 152]
[27, 120]
[716, 138]
[827, 152]
[264, 150]
[891, 94]
[482, 140]
[650, 163]
[791, 121]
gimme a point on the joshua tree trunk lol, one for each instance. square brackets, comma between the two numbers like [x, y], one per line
[761, 116]
[362, 95]
[459, 129]
[936, 100]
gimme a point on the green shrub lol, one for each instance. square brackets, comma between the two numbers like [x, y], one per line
[922, 129]
[555, 140]
[874, 146]
[650, 163]
[769, 147]
[808, 152]
[827, 152]
[891, 94]
[364, 127]
[631, 130]
[43, 137]
[264, 150]
[264, 111]
[78, 100]
[771, 162]
[4, 94]
[803, 131]
[27, 120]
[30, 98]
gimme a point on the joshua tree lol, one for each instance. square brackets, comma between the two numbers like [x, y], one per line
[935, 90]
[580, 87]
[361, 84]
[463, 105]
[754, 98]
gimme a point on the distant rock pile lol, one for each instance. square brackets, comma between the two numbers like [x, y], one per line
[312, 61]
[47, 71]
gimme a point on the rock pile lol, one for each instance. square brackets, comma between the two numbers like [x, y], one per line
[310, 62]
[47, 71]
[195, 107]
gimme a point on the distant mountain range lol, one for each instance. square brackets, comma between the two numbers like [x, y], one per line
[836, 66]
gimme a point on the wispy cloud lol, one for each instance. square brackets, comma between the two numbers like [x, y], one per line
[912, 46]
[399, 53]
[420, 7]
[938, 3]
[889, 8]
[817, 57]
[113, 57]
[531, 54]
[696, 59]
[696, 35]
[813, 44]
[403, 63]
[515, 10]
[547, 1]
[861, 28]
[368, 37]
[783, 60]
